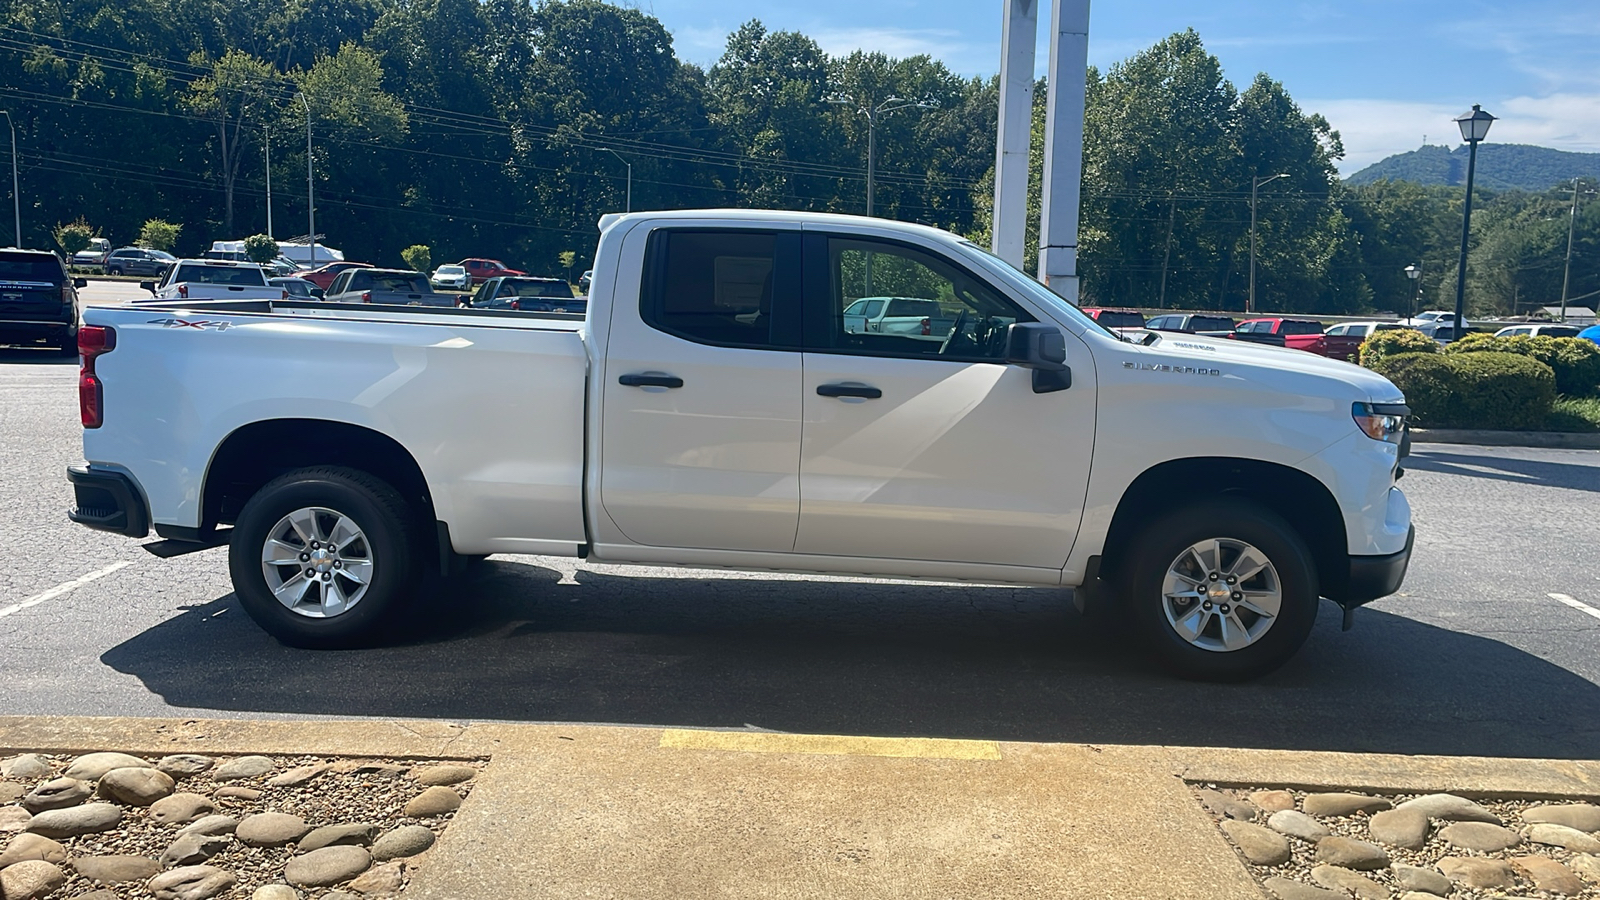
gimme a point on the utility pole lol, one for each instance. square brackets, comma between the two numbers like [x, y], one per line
[1572, 225]
[629, 207]
[875, 113]
[16, 196]
[311, 200]
[1255, 185]
[267, 134]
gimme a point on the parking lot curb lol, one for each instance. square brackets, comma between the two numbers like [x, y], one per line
[1549, 440]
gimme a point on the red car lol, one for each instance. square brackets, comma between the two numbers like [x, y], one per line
[323, 276]
[481, 270]
[1297, 334]
[1115, 318]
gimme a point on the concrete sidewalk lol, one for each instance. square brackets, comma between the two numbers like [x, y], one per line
[590, 811]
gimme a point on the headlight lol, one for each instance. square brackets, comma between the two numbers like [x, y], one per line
[1381, 421]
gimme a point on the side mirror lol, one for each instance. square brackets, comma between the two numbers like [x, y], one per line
[147, 286]
[80, 282]
[1042, 348]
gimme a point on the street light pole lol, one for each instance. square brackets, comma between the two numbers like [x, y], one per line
[1572, 224]
[311, 199]
[874, 114]
[16, 196]
[266, 134]
[1415, 274]
[1474, 128]
[1255, 185]
[629, 206]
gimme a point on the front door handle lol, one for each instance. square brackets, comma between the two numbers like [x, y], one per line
[650, 379]
[865, 392]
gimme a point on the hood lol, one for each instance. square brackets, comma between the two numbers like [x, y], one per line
[1283, 368]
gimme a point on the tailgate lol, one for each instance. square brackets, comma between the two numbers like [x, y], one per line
[31, 300]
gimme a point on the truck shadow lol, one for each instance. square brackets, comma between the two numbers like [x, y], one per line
[519, 643]
[1573, 476]
[25, 355]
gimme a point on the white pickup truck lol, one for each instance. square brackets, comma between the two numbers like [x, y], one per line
[214, 279]
[712, 409]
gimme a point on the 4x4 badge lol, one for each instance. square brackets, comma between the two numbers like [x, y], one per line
[201, 325]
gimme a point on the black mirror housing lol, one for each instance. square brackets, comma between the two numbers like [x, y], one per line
[147, 286]
[80, 282]
[1042, 348]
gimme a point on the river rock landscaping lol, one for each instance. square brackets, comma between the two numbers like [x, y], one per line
[119, 826]
[1334, 845]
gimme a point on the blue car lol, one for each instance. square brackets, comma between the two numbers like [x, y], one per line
[1592, 333]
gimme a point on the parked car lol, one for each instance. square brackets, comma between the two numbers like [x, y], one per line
[1298, 334]
[1209, 491]
[481, 270]
[323, 276]
[391, 287]
[1539, 330]
[585, 280]
[1115, 318]
[298, 288]
[1428, 317]
[38, 300]
[214, 279]
[451, 278]
[94, 255]
[1193, 323]
[911, 317]
[526, 293]
[138, 261]
[1364, 330]
[1444, 330]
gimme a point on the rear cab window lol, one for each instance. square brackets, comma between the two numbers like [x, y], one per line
[36, 268]
[242, 276]
[725, 287]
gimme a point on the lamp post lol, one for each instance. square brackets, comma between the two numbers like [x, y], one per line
[1255, 185]
[629, 207]
[1415, 274]
[1572, 224]
[1474, 128]
[266, 134]
[16, 197]
[874, 113]
[311, 200]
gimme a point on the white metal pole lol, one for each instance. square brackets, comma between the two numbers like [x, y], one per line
[267, 134]
[1250, 301]
[311, 199]
[1063, 147]
[16, 195]
[872, 153]
[1009, 220]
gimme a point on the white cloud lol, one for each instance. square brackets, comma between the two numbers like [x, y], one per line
[1375, 129]
[943, 44]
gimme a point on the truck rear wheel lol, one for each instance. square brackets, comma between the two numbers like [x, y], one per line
[1224, 590]
[325, 558]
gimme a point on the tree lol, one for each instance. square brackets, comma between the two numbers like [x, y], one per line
[261, 249]
[159, 235]
[418, 257]
[74, 237]
[567, 258]
[239, 92]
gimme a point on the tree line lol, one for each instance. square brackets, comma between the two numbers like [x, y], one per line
[505, 128]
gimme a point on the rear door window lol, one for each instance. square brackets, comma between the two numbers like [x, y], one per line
[728, 287]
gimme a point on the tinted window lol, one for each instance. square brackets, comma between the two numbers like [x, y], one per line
[247, 276]
[1292, 326]
[1120, 319]
[399, 282]
[712, 286]
[1559, 331]
[30, 267]
[934, 308]
[1211, 323]
[536, 289]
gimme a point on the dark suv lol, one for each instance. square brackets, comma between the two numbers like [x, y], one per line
[1189, 323]
[138, 261]
[38, 302]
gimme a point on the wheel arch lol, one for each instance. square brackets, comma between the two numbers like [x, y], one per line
[254, 454]
[1296, 496]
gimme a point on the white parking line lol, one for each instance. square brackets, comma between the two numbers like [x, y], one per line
[1576, 604]
[65, 588]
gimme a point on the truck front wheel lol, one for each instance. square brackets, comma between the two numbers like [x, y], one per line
[1224, 590]
[325, 558]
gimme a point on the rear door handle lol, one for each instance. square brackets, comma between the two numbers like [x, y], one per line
[650, 379]
[865, 392]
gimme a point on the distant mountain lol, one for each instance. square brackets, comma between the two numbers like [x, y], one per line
[1500, 167]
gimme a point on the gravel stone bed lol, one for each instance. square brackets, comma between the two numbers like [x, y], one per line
[1325, 868]
[322, 791]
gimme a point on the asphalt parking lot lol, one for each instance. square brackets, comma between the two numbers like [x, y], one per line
[1491, 648]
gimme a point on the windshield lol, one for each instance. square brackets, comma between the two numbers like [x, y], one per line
[452, 270]
[1040, 294]
[536, 289]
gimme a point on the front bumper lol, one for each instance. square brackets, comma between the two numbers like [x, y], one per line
[108, 501]
[1372, 577]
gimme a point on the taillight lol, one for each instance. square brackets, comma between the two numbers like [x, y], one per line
[286, 294]
[366, 296]
[183, 290]
[927, 326]
[516, 304]
[66, 294]
[93, 341]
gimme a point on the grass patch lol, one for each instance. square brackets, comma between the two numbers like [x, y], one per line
[1581, 414]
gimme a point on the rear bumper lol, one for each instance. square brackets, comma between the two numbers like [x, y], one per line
[1372, 577]
[108, 501]
[12, 330]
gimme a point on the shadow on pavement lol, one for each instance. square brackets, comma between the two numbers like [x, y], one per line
[28, 355]
[878, 659]
[1573, 476]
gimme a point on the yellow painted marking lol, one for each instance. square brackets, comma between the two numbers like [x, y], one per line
[828, 744]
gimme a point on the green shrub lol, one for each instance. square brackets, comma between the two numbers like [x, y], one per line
[1428, 380]
[74, 237]
[261, 249]
[1483, 389]
[418, 257]
[1388, 343]
[1575, 361]
[159, 235]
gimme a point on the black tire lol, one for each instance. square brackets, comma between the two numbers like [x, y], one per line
[1142, 573]
[392, 539]
[113, 270]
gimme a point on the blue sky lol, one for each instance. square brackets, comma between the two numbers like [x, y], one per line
[1384, 73]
